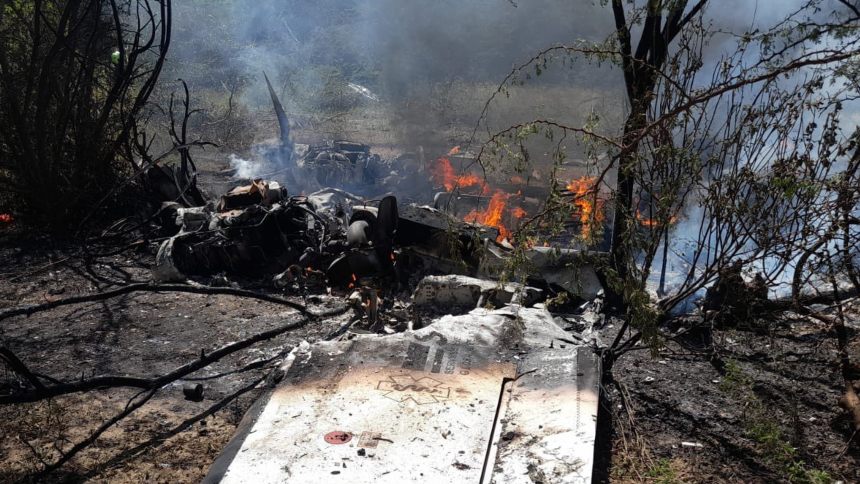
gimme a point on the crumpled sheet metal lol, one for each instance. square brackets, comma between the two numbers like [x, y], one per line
[258, 231]
[573, 270]
[441, 293]
[261, 192]
[490, 396]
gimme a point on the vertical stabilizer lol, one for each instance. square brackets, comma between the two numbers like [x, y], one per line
[283, 122]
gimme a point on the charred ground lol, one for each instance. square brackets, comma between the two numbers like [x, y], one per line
[750, 396]
[757, 405]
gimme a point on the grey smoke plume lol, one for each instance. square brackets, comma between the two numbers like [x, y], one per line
[390, 47]
[399, 49]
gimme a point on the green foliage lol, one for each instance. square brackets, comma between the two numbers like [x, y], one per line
[764, 430]
[735, 381]
[662, 472]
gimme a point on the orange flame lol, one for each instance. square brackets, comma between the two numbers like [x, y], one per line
[584, 201]
[6, 218]
[648, 222]
[492, 216]
[454, 151]
[444, 174]
[518, 212]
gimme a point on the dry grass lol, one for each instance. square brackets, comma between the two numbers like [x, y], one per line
[632, 459]
[37, 433]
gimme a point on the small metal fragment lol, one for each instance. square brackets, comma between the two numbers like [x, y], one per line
[193, 392]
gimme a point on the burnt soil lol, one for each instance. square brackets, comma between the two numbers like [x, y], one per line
[757, 405]
[143, 334]
[762, 408]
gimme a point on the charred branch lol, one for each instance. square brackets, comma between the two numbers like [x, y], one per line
[182, 427]
[149, 287]
[42, 392]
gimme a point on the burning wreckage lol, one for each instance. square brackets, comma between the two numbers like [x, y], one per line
[475, 379]
[334, 238]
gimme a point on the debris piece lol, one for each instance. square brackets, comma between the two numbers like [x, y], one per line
[568, 269]
[193, 392]
[260, 192]
[436, 393]
[445, 293]
[337, 437]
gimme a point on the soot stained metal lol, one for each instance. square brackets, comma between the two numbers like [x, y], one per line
[488, 396]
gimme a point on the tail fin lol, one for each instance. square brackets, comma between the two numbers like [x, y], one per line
[283, 122]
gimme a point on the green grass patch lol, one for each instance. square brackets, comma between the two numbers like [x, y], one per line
[765, 431]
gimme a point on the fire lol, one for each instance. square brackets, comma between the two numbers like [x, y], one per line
[650, 223]
[444, 174]
[6, 218]
[584, 201]
[492, 216]
[589, 209]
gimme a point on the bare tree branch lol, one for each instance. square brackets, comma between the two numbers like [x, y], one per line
[151, 287]
[42, 392]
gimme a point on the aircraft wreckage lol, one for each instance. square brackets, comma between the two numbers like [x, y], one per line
[443, 372]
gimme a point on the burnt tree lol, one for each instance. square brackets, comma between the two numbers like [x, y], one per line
[74, 75]
[663, 21]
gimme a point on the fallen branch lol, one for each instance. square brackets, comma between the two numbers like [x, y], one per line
[254, 365]
[44, 392]
[163, 436]
[16, 365]
[95, 435]
[150, 287]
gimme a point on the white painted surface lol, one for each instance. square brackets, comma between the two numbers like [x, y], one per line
[421, 406]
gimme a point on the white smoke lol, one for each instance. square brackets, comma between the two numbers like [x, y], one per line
[246, 168]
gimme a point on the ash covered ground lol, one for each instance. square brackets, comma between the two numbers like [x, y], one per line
[685, 413]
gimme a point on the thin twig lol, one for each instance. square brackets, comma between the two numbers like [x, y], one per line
[151, 287]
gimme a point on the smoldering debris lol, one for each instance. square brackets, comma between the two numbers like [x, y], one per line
[323, 221]
[242, 168]
[259, 230]
[393, 259]
[345, 164]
